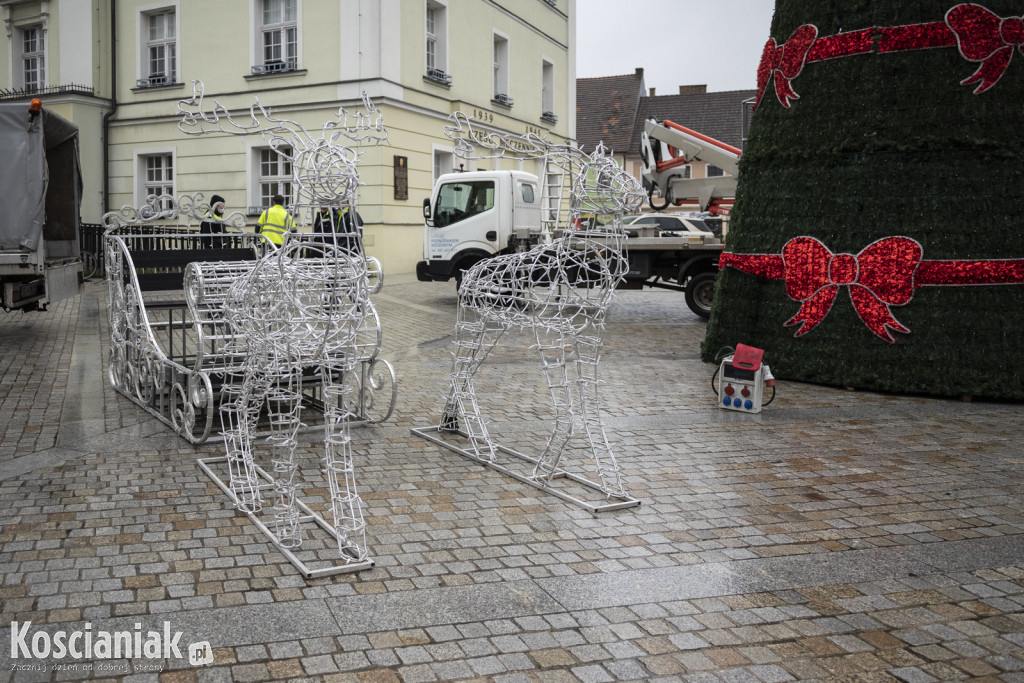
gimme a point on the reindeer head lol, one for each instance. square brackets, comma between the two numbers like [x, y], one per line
[604, 188]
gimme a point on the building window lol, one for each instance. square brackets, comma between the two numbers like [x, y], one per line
[278, 38]
[157, 171]
[547, 92]
[444, 162]
[274, 175]
[437, 42]
[160, 49]
[501, 95]
[33, 61]
[713, 171]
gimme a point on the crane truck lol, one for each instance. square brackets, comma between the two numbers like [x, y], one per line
[474, 215]
[40, 253]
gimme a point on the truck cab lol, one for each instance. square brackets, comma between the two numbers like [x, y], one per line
[474, 215]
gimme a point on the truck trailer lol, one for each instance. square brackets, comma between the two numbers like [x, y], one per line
[40, 198]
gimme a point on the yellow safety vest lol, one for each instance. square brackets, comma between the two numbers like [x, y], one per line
[274, 223]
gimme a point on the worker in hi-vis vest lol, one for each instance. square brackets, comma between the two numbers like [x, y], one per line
[275, 221]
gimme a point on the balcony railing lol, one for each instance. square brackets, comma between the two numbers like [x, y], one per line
[438, 76]
[275, 66]
[22, 93]
[502, 99]
[549, 116]
[154, 80]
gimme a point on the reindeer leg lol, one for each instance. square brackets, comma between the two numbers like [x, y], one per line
[552, 351]
[474, 340]
[587, 356]
[339, 466]
[284, 407]
[243, 395]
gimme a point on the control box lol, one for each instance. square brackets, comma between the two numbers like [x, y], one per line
[742, 380]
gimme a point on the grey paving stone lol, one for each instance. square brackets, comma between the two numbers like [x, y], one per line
[486, 666]
[250, 653]
[418, 673]
[592, 674]
[351, 661]
[285, 650]
[770, 673]
[911, 674]
[382, 657]
[319, 664]
[412, 655]
[449, 671]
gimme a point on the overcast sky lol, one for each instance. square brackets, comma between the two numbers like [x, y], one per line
[677, 42]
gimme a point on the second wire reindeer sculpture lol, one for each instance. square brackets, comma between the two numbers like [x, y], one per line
[559, 290]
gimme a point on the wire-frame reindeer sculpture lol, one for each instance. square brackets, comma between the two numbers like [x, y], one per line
[561, 292]
[299, 309]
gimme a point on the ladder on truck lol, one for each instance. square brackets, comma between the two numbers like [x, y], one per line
[553, 202]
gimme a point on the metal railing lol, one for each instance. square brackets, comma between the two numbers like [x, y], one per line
[154, 81]
[22, 93]
[438, 76]
[276, 66]
[90, 238]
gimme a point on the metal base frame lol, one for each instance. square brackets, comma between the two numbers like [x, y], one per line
[309, 517]
[428, 433]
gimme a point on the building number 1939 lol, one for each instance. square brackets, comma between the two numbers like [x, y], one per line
[483, 116]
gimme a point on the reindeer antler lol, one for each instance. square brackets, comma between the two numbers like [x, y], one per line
[359, 127]
[196, 120]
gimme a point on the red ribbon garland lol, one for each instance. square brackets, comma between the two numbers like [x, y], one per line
[981, 36]
[883, 274]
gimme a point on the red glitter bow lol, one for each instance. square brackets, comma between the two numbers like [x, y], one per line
[985, 37]
[882, 274]
[784, 64]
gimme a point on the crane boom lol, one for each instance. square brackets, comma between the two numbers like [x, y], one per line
[665, 147]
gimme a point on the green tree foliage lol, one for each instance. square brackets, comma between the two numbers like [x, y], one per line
[882, 145]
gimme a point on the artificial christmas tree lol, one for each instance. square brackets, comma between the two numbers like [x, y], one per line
[885, 161]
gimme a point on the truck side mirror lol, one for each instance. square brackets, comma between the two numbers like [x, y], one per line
[427, 213]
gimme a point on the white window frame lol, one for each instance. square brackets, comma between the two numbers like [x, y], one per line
[38, 55]
[257, 179]
[501, 52]
[438, 38]
[143, 65]
[440, 154]
[143, 185]
[547, 86]
[258, 55]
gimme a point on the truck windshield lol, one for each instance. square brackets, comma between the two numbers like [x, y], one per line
[460, 200]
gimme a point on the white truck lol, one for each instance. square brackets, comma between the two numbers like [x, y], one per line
[475, 215]
[40, 254]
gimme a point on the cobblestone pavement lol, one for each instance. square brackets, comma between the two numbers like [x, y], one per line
[838, 535]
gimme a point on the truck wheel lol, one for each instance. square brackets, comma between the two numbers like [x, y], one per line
[700, 292]
[460, 271]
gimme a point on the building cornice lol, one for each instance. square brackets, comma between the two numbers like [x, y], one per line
[538, 31]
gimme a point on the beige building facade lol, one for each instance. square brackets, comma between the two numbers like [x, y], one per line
[508, 63]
